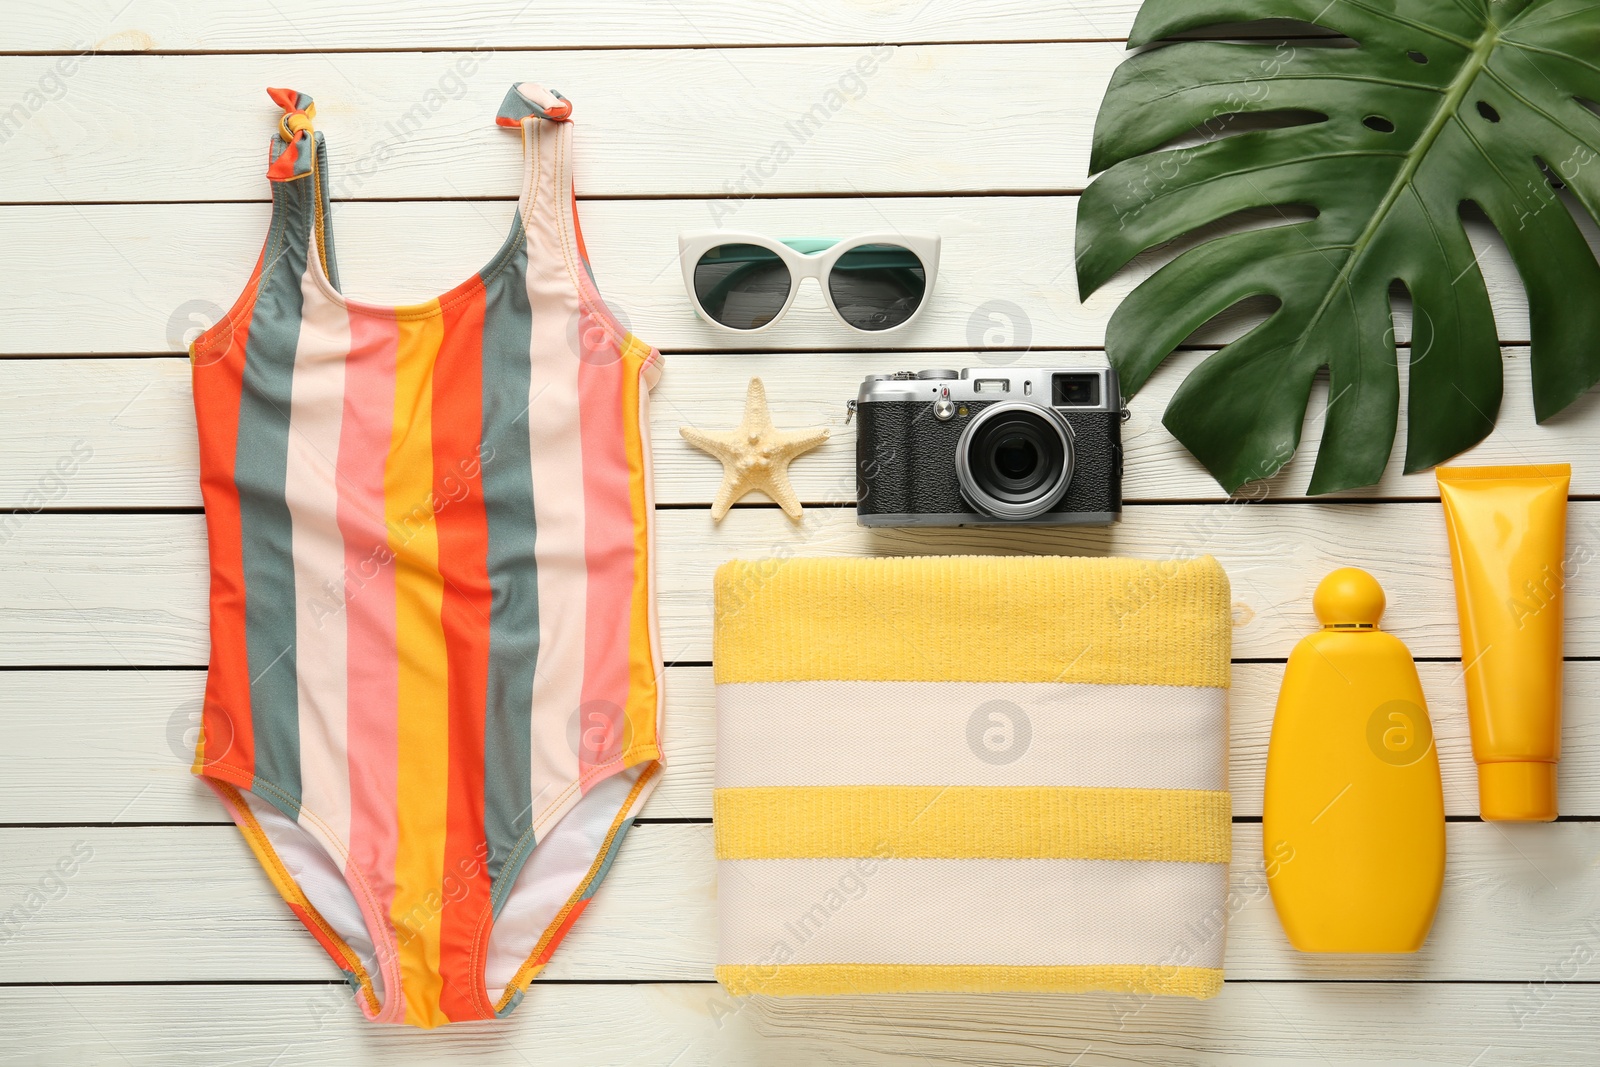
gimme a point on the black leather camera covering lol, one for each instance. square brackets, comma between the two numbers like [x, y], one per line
[906, 460]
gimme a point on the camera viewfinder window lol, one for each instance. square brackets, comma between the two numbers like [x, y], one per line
[1077, 390]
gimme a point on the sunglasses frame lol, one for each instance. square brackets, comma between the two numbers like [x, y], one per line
[803, 265]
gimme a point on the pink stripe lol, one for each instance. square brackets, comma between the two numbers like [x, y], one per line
[311, 491]
[556, 464]
[369, 602]
[608, 547]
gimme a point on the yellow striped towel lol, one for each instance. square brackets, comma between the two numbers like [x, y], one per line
[972, 774]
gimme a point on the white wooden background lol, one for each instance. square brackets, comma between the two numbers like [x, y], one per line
[132, 204]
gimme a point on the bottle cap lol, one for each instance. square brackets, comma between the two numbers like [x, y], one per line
[1348, 597]
[1517, 792]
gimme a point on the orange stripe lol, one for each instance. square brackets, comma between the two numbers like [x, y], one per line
[560, 932]
[577, 231]
[463, 562]
[217, 370]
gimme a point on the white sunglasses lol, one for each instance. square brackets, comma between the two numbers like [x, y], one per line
[875, 283]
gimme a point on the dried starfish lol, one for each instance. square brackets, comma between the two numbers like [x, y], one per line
[755, 455]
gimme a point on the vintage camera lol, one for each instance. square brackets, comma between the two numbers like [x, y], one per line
[989, 446]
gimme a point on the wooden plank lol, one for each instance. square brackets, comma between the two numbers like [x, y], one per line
[298, 25]
[1274, 555]
[124, 739]
[147, 274]
[142, 900]
[700, 1026]
[706, 390]
[120, 432]
[115, 590]
[679, 121]
[189, 903]
[79, 592]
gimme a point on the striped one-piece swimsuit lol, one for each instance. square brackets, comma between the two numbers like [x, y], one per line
[434, 689]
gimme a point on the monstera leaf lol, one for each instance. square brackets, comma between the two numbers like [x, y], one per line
[1441, 104]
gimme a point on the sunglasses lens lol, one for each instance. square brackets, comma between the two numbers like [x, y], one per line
[741, 286]
[877, 287]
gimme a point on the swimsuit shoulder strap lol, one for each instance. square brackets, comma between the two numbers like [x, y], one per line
[549, 214]
[297, 167]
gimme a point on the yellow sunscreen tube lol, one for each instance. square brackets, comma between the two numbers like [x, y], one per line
[1508, 532]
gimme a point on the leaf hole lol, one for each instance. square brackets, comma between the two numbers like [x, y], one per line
[1488, 112]
[1379, 123]
[1270, 30]
[1419, 58]
[1234, 322]
[1402, 317]
[1218, 127]
[1484, 240]
[1549, 174]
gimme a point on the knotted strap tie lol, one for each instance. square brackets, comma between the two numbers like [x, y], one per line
[527, 99]
[294, 145]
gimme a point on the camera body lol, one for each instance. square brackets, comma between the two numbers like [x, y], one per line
[989, 446]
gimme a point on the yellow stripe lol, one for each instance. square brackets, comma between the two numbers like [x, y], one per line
[642, 693]
[1017, 619]
[824, 979]
[972, 822]
[423, 732]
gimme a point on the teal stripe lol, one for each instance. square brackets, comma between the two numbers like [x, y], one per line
[260, 470]
[511, 1005]
[611, 853]
[507, 487]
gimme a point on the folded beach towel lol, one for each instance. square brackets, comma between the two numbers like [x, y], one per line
[972, 774]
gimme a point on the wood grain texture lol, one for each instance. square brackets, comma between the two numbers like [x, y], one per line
[1260, 1024]
[1274, 555]
[110, 25]
[691, 121]
[129, 424]
[124, 740]
[129, 590]
[191, 904]
[141, 276]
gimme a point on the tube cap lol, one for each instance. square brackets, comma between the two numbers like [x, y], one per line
[1517, 792]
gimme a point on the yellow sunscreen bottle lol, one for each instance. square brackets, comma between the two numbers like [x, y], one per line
[1353, 820]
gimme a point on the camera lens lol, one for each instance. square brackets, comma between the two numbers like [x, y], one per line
[1016, 457]
[1014, 460]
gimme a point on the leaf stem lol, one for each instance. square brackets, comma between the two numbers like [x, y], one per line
[1482, 48]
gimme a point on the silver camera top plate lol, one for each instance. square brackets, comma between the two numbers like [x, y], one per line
[1028, 384]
